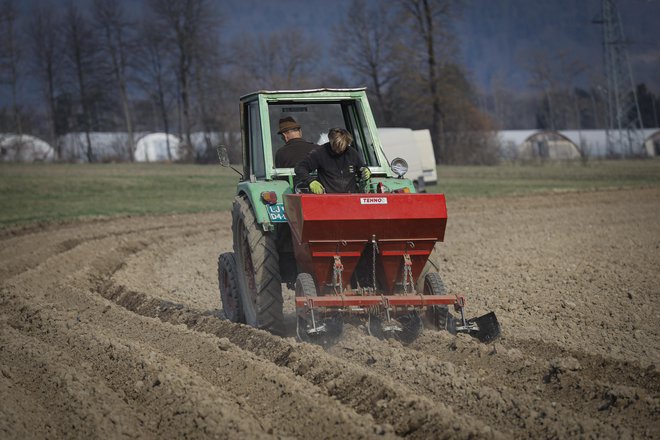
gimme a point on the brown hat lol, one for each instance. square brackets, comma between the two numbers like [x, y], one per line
[287, 124]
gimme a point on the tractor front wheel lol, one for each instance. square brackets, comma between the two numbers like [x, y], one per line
[258, 269]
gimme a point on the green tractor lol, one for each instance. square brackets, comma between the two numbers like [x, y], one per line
[251, 277]
[268, 248]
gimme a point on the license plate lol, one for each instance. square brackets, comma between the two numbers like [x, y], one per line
[276, 213]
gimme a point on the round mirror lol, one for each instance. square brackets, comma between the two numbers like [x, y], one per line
[399, 166]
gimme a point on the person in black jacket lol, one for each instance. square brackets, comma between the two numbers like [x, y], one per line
[339, 167]
[295, 147]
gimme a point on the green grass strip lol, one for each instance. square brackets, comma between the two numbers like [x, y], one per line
[51, 192]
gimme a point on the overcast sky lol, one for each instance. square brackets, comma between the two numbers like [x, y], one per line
[495, 36]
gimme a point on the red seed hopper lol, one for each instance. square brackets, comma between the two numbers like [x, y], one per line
[362, 255]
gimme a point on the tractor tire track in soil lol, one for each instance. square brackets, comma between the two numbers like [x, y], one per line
[113, 328]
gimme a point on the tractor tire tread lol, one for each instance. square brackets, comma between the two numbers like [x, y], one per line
[305, 284]
[265, 264]
[230, 297]
[432, 265]
[439, 316]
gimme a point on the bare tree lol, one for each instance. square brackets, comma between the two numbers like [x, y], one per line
[500, 95]
[554, 74]
[256, 61]
[207, 76]
[300, 55]
[569, 69]
[155, 77]
[428, 24]
[281, 59]
[45, 47]
[365, 43]
[10, 57]
[116, 43]
[187, 25]
[80, 49]
[540, 67]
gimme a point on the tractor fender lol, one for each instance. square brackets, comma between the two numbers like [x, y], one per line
[253, 190]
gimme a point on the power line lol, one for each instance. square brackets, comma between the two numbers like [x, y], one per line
[624, 124]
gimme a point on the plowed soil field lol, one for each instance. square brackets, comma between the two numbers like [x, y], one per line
[112, 328]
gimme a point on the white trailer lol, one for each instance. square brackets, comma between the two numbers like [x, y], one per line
[427, 155]
[416, 148]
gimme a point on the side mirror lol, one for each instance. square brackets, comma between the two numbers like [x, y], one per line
[399, 166]
[223, 155]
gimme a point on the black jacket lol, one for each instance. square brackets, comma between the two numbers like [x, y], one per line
[293, 152]
[338, 173]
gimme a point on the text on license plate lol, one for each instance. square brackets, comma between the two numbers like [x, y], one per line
[276, 213]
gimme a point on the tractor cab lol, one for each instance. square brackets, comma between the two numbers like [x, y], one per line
[316, 111]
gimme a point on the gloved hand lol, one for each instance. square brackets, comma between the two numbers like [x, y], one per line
[316, 187]
[365, 174]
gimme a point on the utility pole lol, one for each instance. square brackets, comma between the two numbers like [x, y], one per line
[624, 123]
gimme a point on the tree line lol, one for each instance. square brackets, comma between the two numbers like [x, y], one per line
[557, 101]
[173, 69]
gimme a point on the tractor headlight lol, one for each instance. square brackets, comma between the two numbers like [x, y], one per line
[399, 166]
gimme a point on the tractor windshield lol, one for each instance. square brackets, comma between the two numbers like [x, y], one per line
[316, 119]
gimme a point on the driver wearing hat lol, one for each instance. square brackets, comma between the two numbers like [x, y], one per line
[295, 147]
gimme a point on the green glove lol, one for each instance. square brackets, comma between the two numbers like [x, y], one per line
[365, 173]
[316, 187]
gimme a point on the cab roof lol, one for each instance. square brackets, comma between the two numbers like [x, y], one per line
[322, 91]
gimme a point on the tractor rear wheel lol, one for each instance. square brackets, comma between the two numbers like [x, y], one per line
[229, 288]
[438, 316]
[258, 270]
[432, 265]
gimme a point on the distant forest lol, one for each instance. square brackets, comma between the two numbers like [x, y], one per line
[67, 69]
[528, 56]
